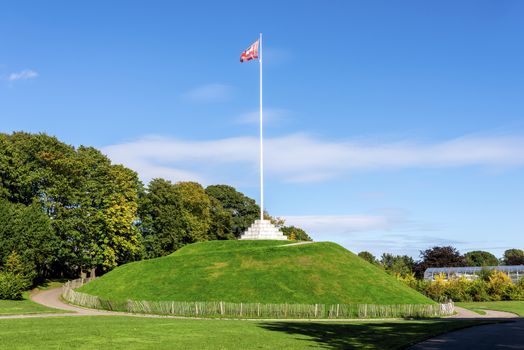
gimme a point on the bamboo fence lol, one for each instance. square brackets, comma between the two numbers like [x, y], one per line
[223, 309]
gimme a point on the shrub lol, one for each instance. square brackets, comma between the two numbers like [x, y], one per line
[498, 285]
[490, 286]
[11, 286]
[478, 290]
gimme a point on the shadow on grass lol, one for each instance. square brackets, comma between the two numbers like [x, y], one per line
[365, 335]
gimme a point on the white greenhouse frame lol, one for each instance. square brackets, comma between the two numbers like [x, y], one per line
[515, 272]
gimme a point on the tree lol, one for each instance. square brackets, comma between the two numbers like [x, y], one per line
[370, 258]
[439, 257]
[244, 210]
[177, 214]
[27, 239]
[295, 233]
[480, 258]
[221, 222]
[513, 257]
[91, 204]
[397, 264]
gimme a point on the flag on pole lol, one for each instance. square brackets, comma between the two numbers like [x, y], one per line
[250, 53]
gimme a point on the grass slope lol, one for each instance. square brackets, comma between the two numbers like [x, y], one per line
[516, 307]
[129, 333]
[255, 271]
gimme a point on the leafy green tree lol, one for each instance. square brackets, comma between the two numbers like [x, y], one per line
[26, 237]
[397, 264]
[295, 233]
[92, 204]
[244, 210]
[221, 226]
[513, 257]
[370, 258]
[178, 214]
[480, 258]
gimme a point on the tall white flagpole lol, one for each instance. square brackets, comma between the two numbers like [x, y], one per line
[261, 136]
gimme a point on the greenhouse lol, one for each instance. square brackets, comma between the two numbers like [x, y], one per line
[472, 272]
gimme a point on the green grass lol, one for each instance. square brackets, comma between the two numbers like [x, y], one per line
[103, 332]
[256, 272]
[23, 307]
[516, 307]
[26, 306]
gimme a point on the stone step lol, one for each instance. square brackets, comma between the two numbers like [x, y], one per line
[263, 229]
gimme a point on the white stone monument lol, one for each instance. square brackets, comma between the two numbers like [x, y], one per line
[263, 229]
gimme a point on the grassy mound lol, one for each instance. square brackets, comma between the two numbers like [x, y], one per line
[256, 271]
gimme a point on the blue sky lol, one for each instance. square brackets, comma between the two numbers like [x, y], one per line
[391, 126]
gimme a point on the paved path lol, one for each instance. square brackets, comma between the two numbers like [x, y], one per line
[465, 313]
[508, 335]
[52, 298]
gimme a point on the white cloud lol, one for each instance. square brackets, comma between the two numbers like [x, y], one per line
[390, 230]
[271, 116]
[23, 75]
[344, 224]
[303, 158]
[209, 93]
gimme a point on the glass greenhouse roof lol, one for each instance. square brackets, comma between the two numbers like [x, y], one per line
[473, 269]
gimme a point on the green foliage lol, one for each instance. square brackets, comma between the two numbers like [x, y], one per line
[439, 257]
[178, 214]
[491, 287]
[15, 277]
[513, 257]
[397, 264]
[295, 234]
[244, 210]
[480, 258]
[91, 205]
[221, 222]
[27, 239]
[370, 258]
[255, 271]
[12, 286]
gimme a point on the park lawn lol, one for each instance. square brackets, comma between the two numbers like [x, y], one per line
[517, 307]
[120, 332]
[24, 307]
[256, 272]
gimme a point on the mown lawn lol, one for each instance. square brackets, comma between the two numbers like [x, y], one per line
[108, 332]
[517, 307]
[25, 306]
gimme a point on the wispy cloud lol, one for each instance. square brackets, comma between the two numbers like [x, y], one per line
[209, 93]
[271, 116]
[303, 158]
[23, 75]
[344, 224]
[389, 230]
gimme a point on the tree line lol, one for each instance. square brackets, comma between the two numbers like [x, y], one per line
[64, 210]
[444, 256]
[490, 285]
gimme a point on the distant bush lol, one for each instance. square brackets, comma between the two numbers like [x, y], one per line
[12, 286]
[492, 286]
[16, 277]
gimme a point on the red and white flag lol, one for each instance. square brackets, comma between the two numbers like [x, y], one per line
[250, 53]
